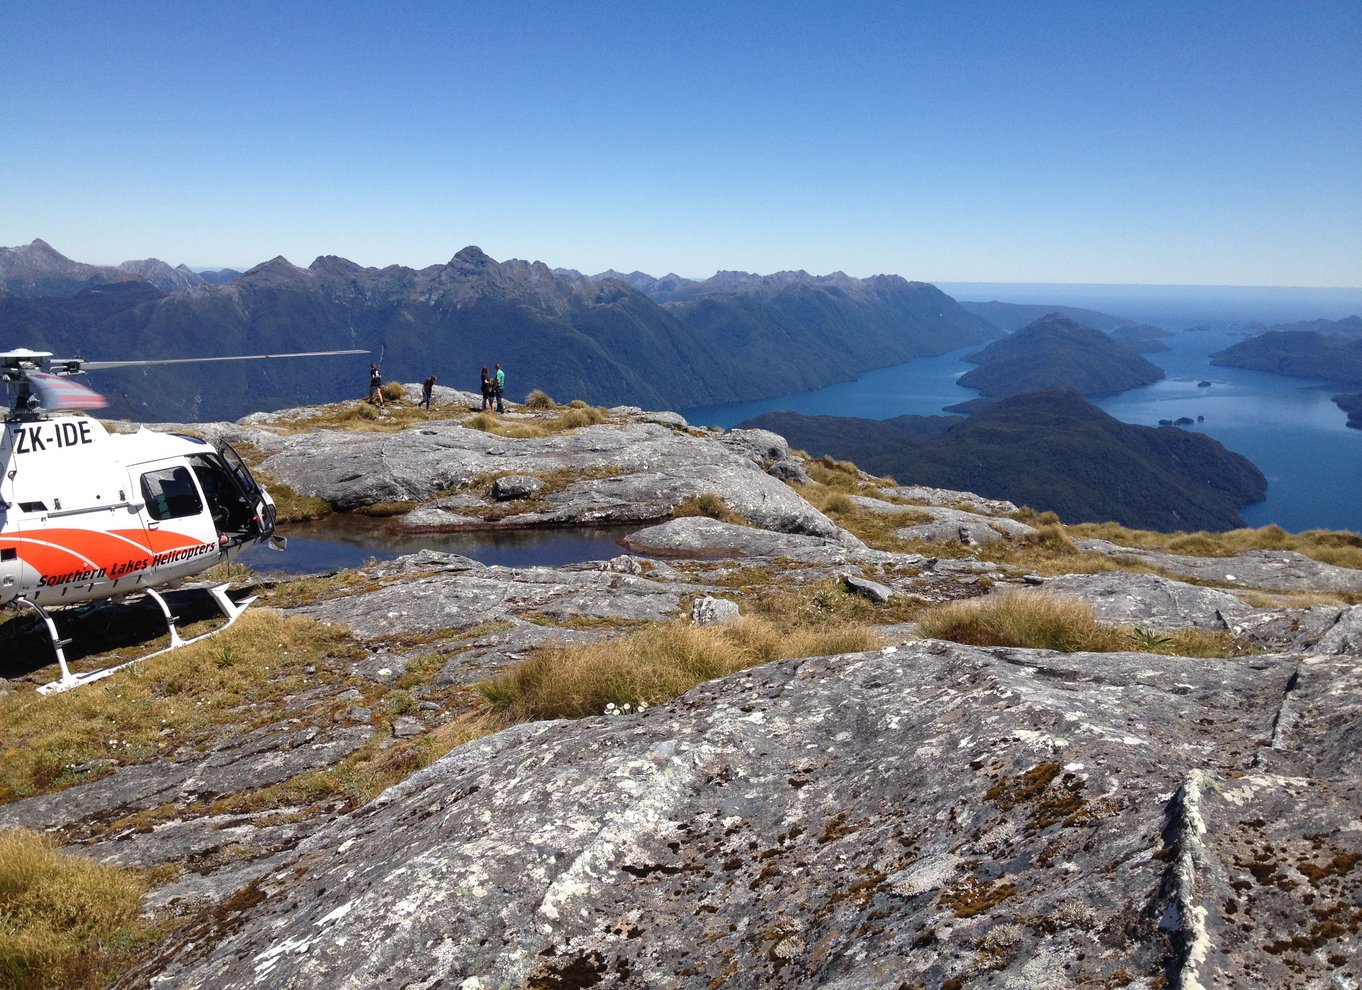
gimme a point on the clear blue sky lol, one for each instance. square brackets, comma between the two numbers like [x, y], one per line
[1008, 141]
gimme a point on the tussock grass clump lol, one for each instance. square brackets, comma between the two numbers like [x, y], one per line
[519, 428]
[360, 416]
[827, 602]
[1046, 622]
[65, 921]
[875, 529]
[538, 401]
[653, 665]
[1034, 621]
[841, 475]
[711, 506]
[1031, 517]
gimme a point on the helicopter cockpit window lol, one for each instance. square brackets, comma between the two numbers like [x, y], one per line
[170, 494]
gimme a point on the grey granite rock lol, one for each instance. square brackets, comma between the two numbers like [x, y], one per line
[925, 815]
[948, 498]
[513, 486]
[699, 536]
[707, 610]
[1148, 601]
[653, 469]
[872, 590]
[762, 446]
[789, 471]
[437, 591]
[1279, 570]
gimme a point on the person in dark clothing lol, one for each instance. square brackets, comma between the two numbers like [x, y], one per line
[375, 385]
[427, 387]
[487, 388]
[499, 383]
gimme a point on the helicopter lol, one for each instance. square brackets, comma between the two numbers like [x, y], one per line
[87, 515]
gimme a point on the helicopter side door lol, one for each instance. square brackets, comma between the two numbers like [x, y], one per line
[181, 536]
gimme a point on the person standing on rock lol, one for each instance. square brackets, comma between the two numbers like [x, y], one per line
[500, 384]
[487, 386]
[375, 385]
[427, 387]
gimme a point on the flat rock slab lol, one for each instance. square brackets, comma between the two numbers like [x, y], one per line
[1148, 600]
[700, 536]
[928, 814]
[432, 591]
[1277, 570]
[246, 762]
[949, 498]
[959, 526]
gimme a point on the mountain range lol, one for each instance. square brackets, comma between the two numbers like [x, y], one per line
[599, 338]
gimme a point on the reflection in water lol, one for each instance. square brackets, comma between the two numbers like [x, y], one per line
[342, 541]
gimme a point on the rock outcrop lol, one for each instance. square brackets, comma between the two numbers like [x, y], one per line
[930, 811]
[922, 814]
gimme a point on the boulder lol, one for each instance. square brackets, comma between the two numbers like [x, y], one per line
[709, 611]
[510, 487]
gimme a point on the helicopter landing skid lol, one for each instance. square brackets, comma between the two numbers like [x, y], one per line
[230, 609]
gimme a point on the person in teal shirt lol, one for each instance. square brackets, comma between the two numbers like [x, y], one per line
[500, 385]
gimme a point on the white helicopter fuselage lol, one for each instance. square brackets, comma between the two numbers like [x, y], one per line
[86, 514]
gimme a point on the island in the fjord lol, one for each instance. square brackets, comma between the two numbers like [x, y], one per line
[1055, 350]
[1143, 338]
[1051, 450]
[1326, 350]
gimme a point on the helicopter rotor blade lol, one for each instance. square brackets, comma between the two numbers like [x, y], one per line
[101, 365]
[58, 392]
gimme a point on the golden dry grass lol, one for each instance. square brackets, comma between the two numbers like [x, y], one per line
[162, 702]
[539, 400]
[65, 921]
[1046, 622]
[540, 424]
[654, 664]
[370, 770]
[711, 506]
[1343, 549]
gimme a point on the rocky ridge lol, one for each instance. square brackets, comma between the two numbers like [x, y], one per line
[923, 814]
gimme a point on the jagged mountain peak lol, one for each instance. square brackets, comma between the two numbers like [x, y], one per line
[474, 256]
[276, 269]
[161, 274]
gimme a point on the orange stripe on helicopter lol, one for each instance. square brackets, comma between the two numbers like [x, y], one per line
[64, 550]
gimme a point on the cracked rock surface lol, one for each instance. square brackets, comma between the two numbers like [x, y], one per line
[928, 814]
[1074, 820]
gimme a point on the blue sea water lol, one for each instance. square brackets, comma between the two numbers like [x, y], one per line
[1287, 426]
